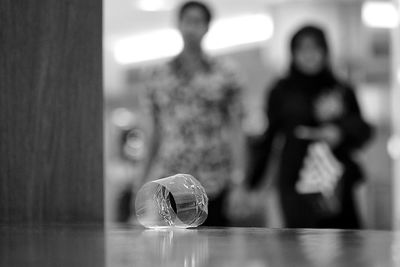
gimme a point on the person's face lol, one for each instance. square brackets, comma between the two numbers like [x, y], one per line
[308, 56]
[193, 26]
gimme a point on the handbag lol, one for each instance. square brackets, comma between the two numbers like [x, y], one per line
[319, 180]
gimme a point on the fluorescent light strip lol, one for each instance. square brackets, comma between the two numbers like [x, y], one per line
[398, 76]
[380, 14]
[224, 34]
[148, 46]
[393, 147]
[241, 30]
[153, 5]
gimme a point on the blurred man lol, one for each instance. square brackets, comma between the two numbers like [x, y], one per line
[194, 103]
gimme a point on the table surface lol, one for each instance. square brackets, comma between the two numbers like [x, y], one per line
[252, 247]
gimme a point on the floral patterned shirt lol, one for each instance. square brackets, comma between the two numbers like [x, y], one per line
[193, 116]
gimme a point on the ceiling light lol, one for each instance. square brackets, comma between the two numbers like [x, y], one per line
[380, 14]
[148, 46]
[152, 5]
[393, 147]
[224, 34]
[398, 76]
[237, 31]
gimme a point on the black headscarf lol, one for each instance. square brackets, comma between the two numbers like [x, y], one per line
[313, 82]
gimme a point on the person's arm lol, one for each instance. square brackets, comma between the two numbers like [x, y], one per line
[238, 147]
[261, 146]
[236, 199]
[153, 142]
[150, 116]
[239, 204]
[235, 113]
[354, 130]
[342, 125]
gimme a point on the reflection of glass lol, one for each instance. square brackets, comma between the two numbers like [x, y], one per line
[176, 201]
[396, 249]
[148, 248]
[321, 249]
[177, 247]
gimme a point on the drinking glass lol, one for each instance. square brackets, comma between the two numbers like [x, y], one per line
[176, 201]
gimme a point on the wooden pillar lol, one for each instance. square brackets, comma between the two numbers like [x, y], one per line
[51, 106]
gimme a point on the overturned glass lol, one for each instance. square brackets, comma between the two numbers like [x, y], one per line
[176, 201]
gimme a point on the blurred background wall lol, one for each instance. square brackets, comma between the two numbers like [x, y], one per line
[362, 52]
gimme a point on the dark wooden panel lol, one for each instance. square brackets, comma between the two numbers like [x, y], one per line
[51, 111]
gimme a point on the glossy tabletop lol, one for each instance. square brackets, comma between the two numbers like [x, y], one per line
[251, 247]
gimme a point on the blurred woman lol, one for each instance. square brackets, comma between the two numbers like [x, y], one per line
[195, 106]
[308, 106]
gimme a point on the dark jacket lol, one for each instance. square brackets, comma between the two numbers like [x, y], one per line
[290, 103]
